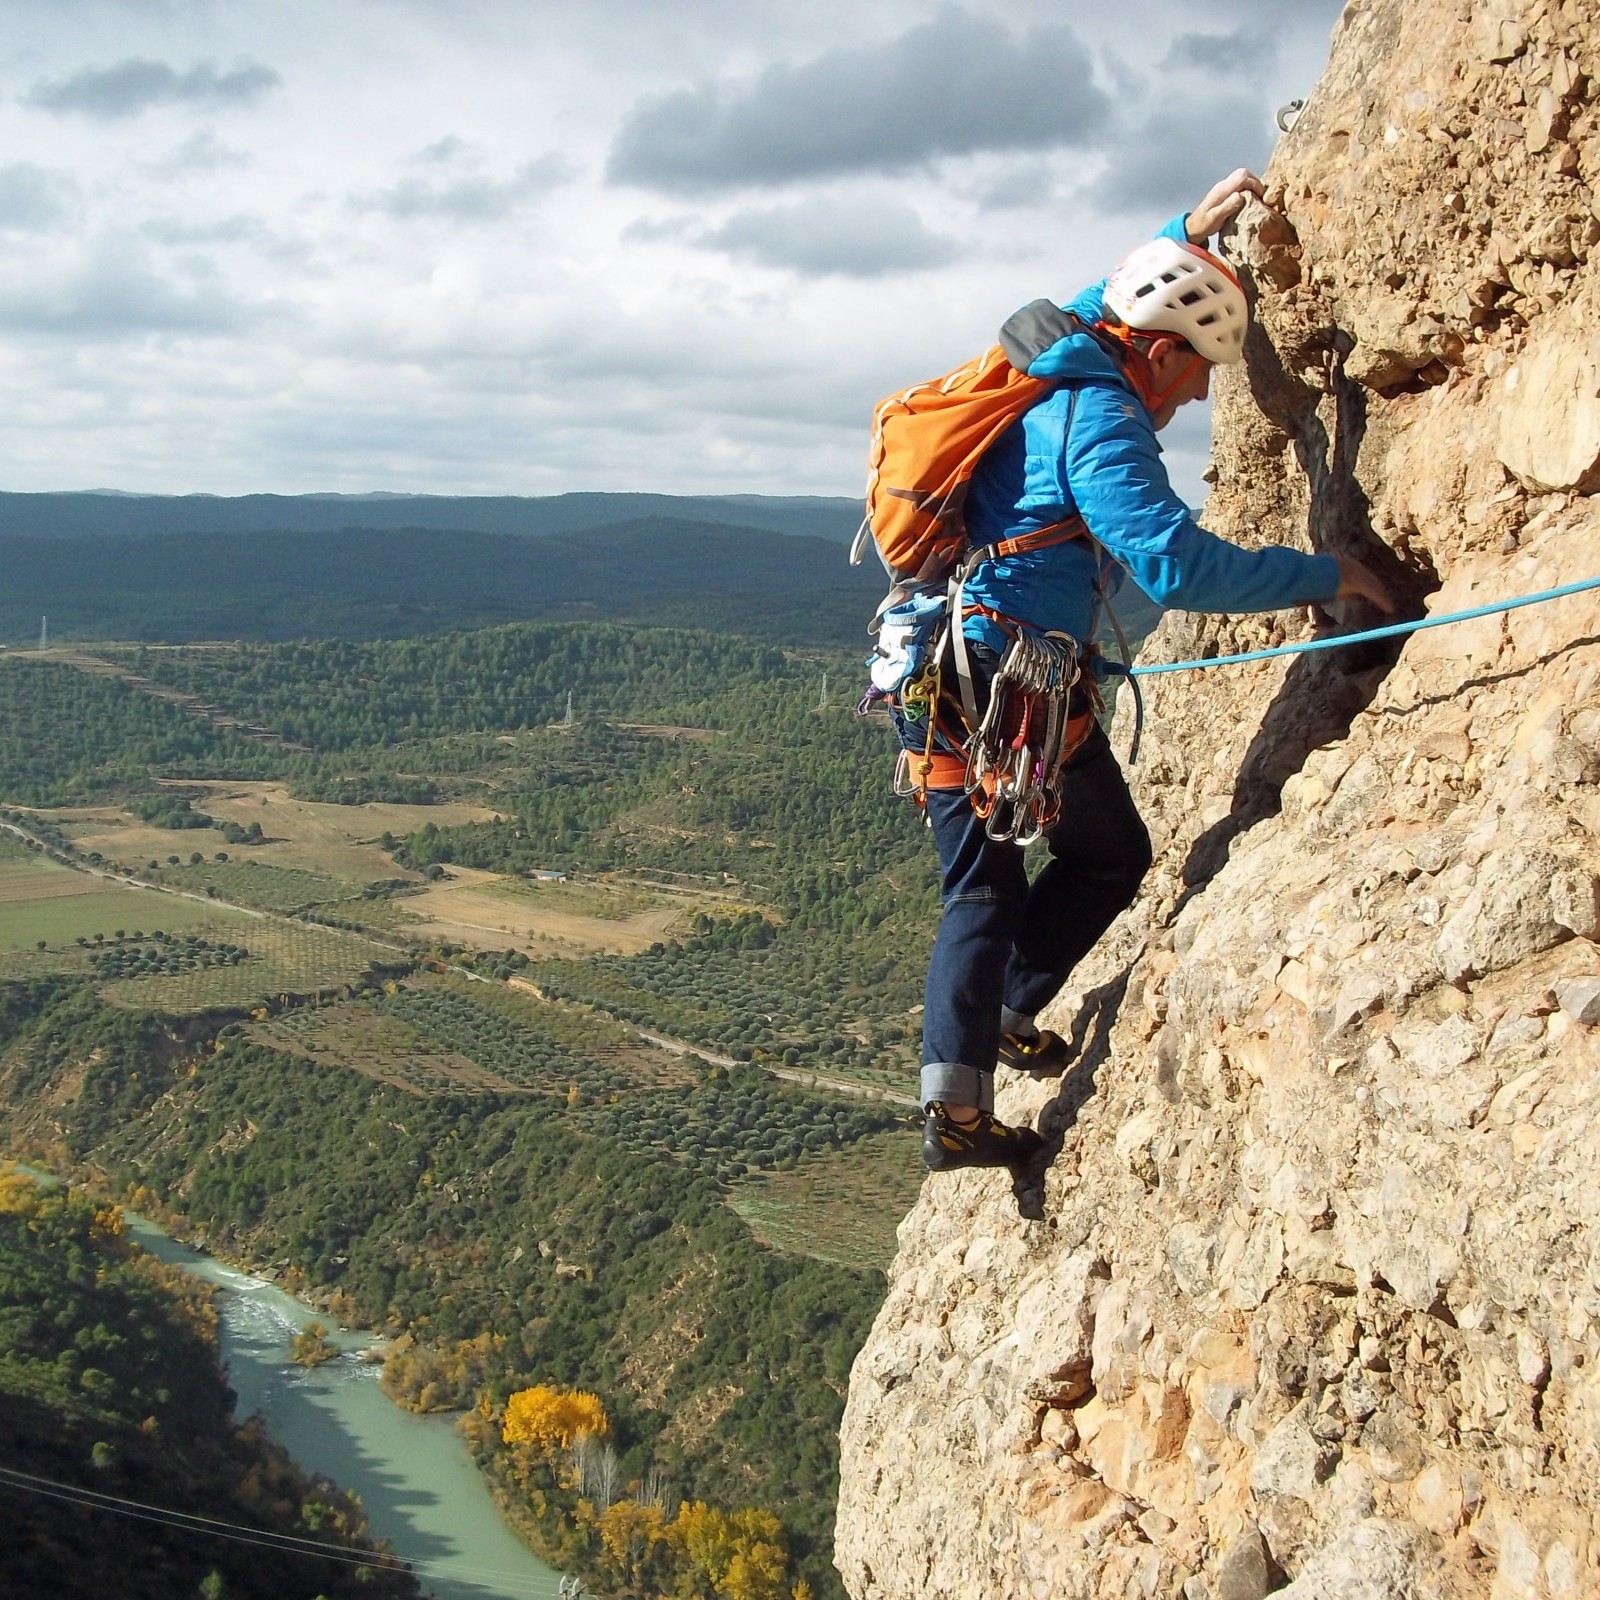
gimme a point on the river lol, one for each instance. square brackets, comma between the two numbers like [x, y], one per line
[414, 1475]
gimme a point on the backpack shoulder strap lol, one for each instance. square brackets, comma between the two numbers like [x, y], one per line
[1069, 528]
[1028, 333]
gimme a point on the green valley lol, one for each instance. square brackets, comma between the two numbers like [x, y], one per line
[543, 996]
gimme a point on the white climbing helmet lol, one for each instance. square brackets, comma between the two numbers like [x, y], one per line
[1168, 287]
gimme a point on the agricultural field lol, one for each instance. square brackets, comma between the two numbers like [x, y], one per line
[41, 900]
[443, 1034]
[323, 856]
[253, 883]
[283, 958]
[841, 1206]
[571, 918]
[353, 1036]
[578, 1028]
[736, 1120]
[529, 1057]
[331, 841]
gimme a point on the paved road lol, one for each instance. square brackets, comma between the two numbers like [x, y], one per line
[812, 1080]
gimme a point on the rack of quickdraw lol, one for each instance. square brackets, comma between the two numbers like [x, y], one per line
[1015, 757]
[1012, 763]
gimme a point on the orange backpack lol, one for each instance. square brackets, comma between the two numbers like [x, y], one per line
[927, 442]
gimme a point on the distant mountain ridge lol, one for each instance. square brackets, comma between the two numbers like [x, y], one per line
[386, 583]
[108, 513]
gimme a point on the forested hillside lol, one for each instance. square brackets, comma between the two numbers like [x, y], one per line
[109, 1385]
[522, 1239]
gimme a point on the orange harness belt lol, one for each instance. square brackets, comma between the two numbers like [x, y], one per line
[939, 769]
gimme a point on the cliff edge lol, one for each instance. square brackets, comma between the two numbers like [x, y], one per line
[1312, 1305]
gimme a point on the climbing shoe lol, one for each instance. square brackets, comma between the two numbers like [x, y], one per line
[983, 1142]
[1044, 1054]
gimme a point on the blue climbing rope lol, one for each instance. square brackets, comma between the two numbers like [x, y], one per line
[1338, 641]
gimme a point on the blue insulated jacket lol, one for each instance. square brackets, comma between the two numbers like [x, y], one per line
[1091, 446]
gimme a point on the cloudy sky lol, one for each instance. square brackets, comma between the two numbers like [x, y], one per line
[527, 246]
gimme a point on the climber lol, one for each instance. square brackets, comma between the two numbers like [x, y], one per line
[1146, 343]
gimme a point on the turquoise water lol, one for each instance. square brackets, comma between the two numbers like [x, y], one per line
[415, 1478]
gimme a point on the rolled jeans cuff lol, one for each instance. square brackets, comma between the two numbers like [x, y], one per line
[956, 1085]
[1017, 1021]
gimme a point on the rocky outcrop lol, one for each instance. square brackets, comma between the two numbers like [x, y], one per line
[1310, 1303]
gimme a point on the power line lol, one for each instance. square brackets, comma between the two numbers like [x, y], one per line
[288, 1543]
[189, 1521]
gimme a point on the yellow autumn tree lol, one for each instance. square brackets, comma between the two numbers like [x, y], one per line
[551, 1419]
[738, 1551]
[628, 1530]
[19, 1194]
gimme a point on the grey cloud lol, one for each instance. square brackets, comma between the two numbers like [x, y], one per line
[1167, 163]
[34, 198]
[647, 230]
[448, 151]
[1025, 184]
[129, 87]
[948, 87]
[818, 237]
[202, 151]
[1246, 49]
[115, 291]
[465, 195]
[239, 228]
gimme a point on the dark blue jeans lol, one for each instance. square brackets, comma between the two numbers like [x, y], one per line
[1005, 946]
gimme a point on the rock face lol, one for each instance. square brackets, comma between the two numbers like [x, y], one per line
[1313, 1303]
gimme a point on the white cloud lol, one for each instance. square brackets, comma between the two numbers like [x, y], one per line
[374, 245]
[113, 287]
[202, 151]
[449, 184]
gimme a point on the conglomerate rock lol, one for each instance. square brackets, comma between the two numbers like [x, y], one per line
[1311, 1304]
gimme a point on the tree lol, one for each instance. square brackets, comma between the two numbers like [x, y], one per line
[312, 1346]
[551, 1419]
[594, 1468]
[628, 1531]
[738, 1551]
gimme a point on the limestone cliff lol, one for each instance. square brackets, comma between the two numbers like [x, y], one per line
[1311, 1303]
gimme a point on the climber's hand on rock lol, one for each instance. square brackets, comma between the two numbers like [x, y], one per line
[1222, 203]
[1358, 582]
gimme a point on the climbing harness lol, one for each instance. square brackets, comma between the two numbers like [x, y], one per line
[1009, 758]
[1014, 760]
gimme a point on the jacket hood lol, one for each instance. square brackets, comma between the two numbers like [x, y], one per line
[1045, 340]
